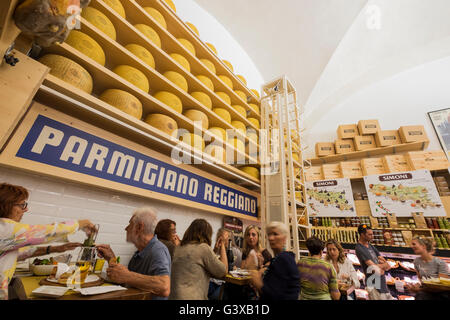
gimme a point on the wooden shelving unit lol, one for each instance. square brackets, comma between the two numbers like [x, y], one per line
[116, 54]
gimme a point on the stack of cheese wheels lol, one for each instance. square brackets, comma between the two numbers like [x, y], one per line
[149, 33]
[171, 5]
[133, 76]
[162, 122]
[206, 81]
[181, 60]
[240, 126]
[224, 97]
[116, 6]
[241, 95]
[228, 64]
[193, 140]
[142, 53]
[255, 92]
[157, 16]
[214, 132]
[237, 143]
[227, 81]
[68, 71]
[124, 101]
[203, 98]
[193, 28]
[223, 113]
[254, 121]
[170, 100]
[197, 116]
[242, 79]
[188, 45]
[99, 20]
[86, 45]
[240, 109]
[209, 65]
[254, 107]
[211, 47]
[251, 171]
[177, 79]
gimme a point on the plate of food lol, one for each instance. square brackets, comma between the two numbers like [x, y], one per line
[43, 267]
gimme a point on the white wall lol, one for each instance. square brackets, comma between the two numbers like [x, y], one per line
[52, 201]
[227, 47]
[403, 99]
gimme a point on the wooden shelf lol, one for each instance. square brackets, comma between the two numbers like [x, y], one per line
[68, 100]
[401, 148]
[179, 29]
[126, 33]
[136, 14]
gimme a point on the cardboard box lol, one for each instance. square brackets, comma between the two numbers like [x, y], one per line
[392, 220]
[344, 146]
[429, 160]
[331, 171]
[364, 142]
[373, 222]
[419, 220]
[412, 134]
[387, 138]
[396, 163]
[372, 166]
[324, 149]
[351, 169]
[368, 127]
[313, 174]
[407, 236]
[347, 131]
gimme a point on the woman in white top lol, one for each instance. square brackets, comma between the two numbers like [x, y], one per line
[346, 273]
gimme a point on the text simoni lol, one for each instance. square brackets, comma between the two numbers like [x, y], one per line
[59, 145]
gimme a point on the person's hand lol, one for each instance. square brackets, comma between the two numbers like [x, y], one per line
[413, 287]
[381, 260]
[66, 247]
[118, 273]
[176, 240]
[260, 258]
[87, 226]
[105, 251]
[219, 243]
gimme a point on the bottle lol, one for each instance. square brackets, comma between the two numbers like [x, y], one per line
[444, 242]
[435, 223]
[230, 256]
[441, 223]
[438, 241]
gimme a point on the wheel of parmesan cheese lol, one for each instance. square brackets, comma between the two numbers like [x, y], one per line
[228, 64]
[181, 60]
[254, 172]
[142, 53]
[253, 136]
[171, 5]
[99, 20]
[223, 113]
[170, 100]
[209, 65]
[124, 101]
[193, 28]
[206, 81]
[133, 76]
[69, 71]
[216, 131]
[86, 45]
[227, 81]
[196, 115]
[240, 109]
[149, 33]
[217, 152]
[162, 122]
[193, 140]
[242, 79]
[211, 47]
[237, 143]
[157, 16]
[178, 79]
[188, 45]
[117, 6]
[239, 126]
[203, 98]
[241, 95]
[255, 92]
[224, 97]
[254, 121]
[254, 107]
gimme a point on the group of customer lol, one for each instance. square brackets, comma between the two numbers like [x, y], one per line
[191, 268]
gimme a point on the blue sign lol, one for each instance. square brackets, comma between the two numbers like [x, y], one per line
[62, 146]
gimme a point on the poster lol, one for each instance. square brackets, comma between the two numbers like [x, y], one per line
[404, 193]
[441, 123]
[330, 198]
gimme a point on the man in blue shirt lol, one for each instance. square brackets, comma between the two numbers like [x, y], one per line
[149, 268]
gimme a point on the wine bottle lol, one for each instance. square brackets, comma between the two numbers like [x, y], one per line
[230, 256]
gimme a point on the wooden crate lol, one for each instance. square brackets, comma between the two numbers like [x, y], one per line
[396, 163]
[351, 169]
[313, 174]
[344, 146]
[331, 171]
[364, 142]
[372, 166]
[347, 131]
[412, 134]
[429, 160]
[324, 149]
[387, 138]
[368, 127]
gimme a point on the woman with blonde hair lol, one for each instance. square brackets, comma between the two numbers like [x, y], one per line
[254, 256]
[427, 266]
[346, 273]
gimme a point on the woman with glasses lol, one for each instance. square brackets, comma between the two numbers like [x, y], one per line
[427, 266]
[166, 231]
[17, 240]
[254, 257]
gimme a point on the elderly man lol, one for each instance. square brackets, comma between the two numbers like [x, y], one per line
[149, 268]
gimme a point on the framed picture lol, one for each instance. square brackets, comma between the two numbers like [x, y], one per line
[441, 123]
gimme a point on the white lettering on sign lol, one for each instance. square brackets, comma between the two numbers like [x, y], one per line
[69, 152]
[208, 190]
[124, 160]
[98, 153]
[223, 197]
[147, 179]
[171, 180]
[216, 194]
[49, 136]
[182, 184]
